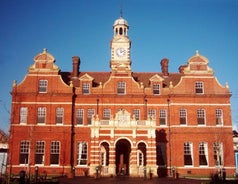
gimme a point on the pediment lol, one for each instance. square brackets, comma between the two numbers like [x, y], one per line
[156, 78]
[86, 77]
[123, 115]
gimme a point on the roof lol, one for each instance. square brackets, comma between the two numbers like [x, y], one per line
[120, 21]
[139, 77]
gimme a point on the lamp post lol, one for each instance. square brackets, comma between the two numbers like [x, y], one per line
[169, 135]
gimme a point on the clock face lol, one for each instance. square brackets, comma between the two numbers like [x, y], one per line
[121, 52]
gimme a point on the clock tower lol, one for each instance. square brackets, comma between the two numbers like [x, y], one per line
[120, 47]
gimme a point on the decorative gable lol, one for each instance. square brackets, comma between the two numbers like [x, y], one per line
[44, 62]
[156, 78]
[197, 64]
[86, 77]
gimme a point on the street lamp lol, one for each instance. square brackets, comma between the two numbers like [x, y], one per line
[170, 167]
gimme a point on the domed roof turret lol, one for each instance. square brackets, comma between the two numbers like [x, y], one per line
[120, 21]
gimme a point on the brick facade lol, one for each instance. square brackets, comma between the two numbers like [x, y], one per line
[120, 122]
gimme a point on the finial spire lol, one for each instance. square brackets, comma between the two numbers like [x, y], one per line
[121, 10]
[197, 53]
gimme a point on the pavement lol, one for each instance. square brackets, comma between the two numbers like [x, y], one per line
[130, 180]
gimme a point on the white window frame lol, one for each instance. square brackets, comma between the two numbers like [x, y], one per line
[152, 113]
[218, 152]
[136, 112]
[91, 113]
[156, 89]
[203, 151]
[199, 87]
[24, 150]
[106, 114]
[140, 158]
[86, 88]
[42, 86]
[201, 114]
[82, 151]
[162, 117]
[41, 115]
[59, 115]
[40, 150]
[23, 115]
[79, 116]
[188, 150]
[183, 116]
[121, 88]
[103, 156]
[55, 150]
[219, 117]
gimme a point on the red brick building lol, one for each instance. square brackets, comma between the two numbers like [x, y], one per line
[120, 121]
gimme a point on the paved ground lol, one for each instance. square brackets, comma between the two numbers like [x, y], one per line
[127, 180]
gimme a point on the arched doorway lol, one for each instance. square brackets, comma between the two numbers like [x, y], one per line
[123, 150]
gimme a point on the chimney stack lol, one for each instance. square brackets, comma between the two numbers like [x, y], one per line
[76, 63]
[164, 66]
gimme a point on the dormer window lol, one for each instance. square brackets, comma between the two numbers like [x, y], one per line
[121, 88]
[199, 88]
[156, 89]
[42, 86]
[86, 87]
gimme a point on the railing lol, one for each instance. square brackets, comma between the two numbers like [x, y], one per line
[120, 123]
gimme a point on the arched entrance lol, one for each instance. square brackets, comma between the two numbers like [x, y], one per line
[123, 150]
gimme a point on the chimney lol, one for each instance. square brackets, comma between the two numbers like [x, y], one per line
[76, 63]
[164, 66]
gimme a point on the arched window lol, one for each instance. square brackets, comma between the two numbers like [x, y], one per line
[120, 31]
[141, 154]
[104, 154]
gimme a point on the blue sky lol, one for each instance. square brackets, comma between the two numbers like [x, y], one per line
[174, 29]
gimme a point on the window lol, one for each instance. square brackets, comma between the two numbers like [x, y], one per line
[162, 117]
[218, 153]
[136, 113]
[54, 152]
[91, 112]
[188, 157]
[79, 116]
[24, 152]
[104, 154]
[199, 87]
[86, 87]
[121, 88]
[82, 153]
[161, 153]
[59, 115]
[201, 116]
[203, 154]
[41, 115]
[42, 86]
[156, 89]
[183, 116]
[140, 158]
[219, 117]
[23, 115]
[40, 150]
[152, 113]
[106, 114]
[141, 154]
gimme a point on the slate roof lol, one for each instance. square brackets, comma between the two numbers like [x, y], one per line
[138, 77]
